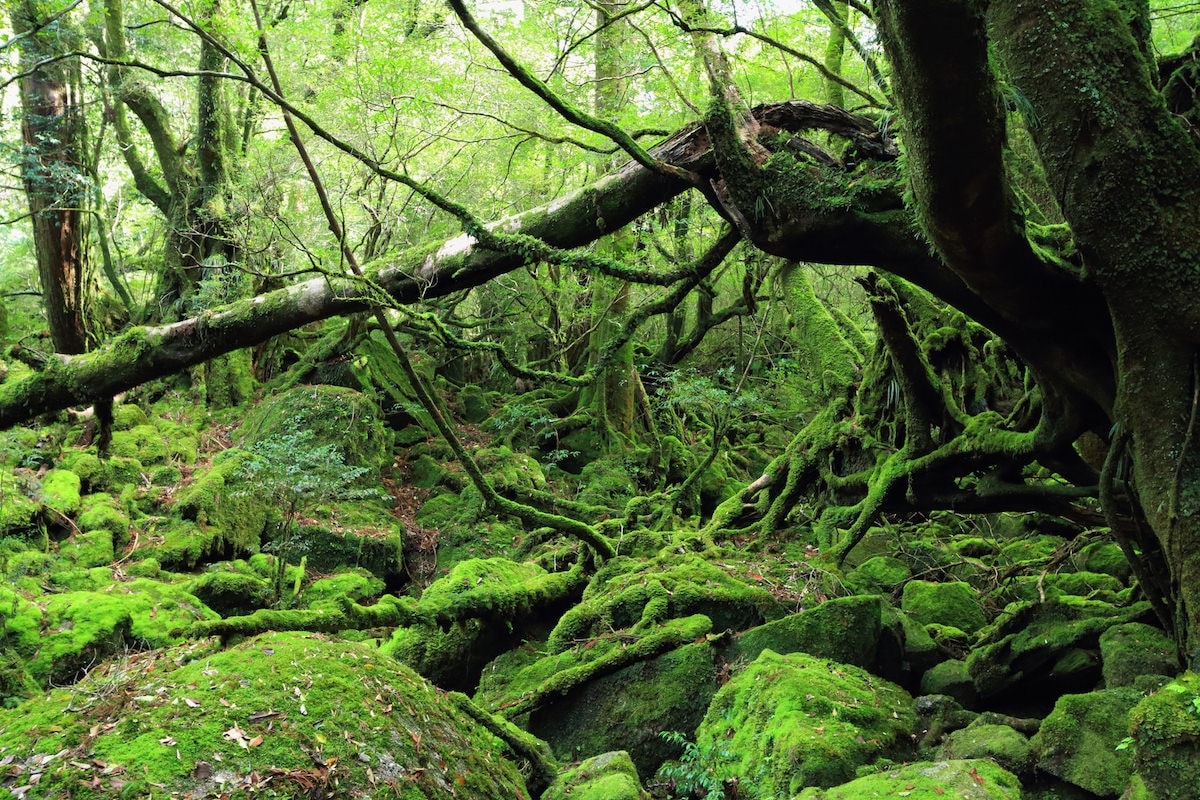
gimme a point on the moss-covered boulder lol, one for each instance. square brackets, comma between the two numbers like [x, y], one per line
[950, 678]
[82, 628]
[787, 722]
[143, 442]
[1165, 728]
[20, 514]
[975, 779]
[1103, 557]
[1130, 651]
[102, 511]
[1079, 741]
[60, 492]
[608, 776]
[1028, 641]
[278, 716]
[351, 534]
[955, 603]
[632, 707]
[844, 629]
[91, 549]
[355, 584]
[878, 574]
[634, 594]
[1007, 747]
[331, 414]
[233, 592]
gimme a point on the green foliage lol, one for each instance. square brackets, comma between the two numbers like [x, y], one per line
[697, 773]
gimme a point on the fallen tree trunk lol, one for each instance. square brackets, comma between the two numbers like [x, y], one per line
[141, 354]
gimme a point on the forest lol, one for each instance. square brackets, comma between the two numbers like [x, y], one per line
[600, 399]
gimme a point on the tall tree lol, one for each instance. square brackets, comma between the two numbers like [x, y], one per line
[52, 165]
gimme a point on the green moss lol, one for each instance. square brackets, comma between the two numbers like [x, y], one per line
[82, 628]
[626, 593]
[1165, 728]
[609, 776]
[127, 416]
[789, 722]
[20, 514]
[1078, 741]
[20, 623]
[950, 678]
[84, 463]
[352, 533]
[231, 593]
[91, 549]
[1135, 649]
[955, 603]
[1093, 585]
[213, 499]
[978, 779]
[1104, 557]
[878, 574]
[183, 544]
[16, 684]
[103, 512]
[1000, 743]
[302, 709]
[60, 492]
[358, 584]
[844, 629]
[631, 707]
[143, 442]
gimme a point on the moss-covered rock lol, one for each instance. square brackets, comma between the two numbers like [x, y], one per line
[102, 511]
[1091, 585]
[608, 776]
[355, 584]
[278, 716]
[1103, 557]
[1130, 651]
[82, 628]
[950, 678]
[332, 414]
[1027, 641]
[878, 574]
[788, 722]
[215, 499]
[844, 629]
[1165, 728]
[231, 592]
[143, 442]
[631, 707]
[91, 549]
[20, 514]
[352, 534]
[955, 603]
[127, 416]
[61, 492]
[1078, 741]
[1000, 743]
[634, 594]
[977, 779]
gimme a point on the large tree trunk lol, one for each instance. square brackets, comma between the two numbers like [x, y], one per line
[53, 173]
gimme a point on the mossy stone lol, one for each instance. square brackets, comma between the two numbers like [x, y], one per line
[975, 779]
[1091, 585]
[1165, 728]
[354, 534]
[20, 515]
[82, 628]
[127, 416]
[475, 404]
[84, 463]
[1104, 557]
[261, 708]
[878, 574]
[608, 776]
[356, 584]
[1033, 549]
[333, 414]
[631, 707]
[844, 629]
[232, 593]
[16, 684]
[61, 492]
[91, 549]
[1078, 741]
[426, 471]
[213, 500]
[787, 722]
[955, 603]
[183, 544]
[143, 442]
[1027, 640]
[950, 678]
[20, 622]
[1135, 649]
[103, 512]
[1000, 743]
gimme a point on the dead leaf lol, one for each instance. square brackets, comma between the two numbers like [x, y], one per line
[975, 776]
[168, 741]
[256, 741]
[191, 703]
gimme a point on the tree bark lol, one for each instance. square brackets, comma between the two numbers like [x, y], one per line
[52, 170]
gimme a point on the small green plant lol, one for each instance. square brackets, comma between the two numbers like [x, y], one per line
[698, 773]
[295, 473]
